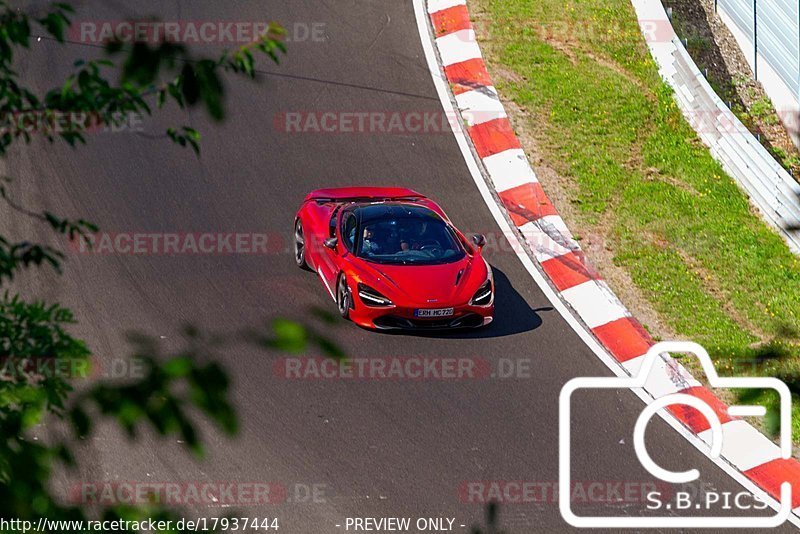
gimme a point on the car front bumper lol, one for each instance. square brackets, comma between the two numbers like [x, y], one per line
[396, 318]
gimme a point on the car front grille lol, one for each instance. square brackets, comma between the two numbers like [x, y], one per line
[469, 320]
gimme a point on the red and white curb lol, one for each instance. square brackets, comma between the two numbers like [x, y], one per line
[755, 460]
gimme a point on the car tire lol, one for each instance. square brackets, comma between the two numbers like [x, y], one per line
[300, 246]
[344, 299]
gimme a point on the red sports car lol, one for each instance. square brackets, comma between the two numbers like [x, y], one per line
[391, 259]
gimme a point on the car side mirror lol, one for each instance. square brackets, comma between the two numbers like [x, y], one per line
[479, 240]
[331, 243]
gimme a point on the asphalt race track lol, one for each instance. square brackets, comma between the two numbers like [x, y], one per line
[375, 448]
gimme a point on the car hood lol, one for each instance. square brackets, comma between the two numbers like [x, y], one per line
[426, 285]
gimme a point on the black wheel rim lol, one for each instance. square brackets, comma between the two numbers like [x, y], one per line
[343, 297]
[299, 244]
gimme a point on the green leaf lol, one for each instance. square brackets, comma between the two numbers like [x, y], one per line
[55, 23]
[289, 335]
[178, 367]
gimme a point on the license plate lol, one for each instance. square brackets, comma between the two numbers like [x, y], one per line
[441, 312]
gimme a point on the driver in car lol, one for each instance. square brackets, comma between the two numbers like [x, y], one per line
[368, 243]
[420, 237]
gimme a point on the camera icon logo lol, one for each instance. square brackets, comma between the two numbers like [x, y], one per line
[714, 450]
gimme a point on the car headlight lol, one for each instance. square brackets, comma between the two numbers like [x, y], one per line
[370, 297]
[483, 296]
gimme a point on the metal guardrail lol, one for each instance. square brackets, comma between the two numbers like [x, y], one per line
[771, 188]
[773, 28]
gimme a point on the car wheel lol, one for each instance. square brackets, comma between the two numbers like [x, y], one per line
[343, 297]
[300, 246]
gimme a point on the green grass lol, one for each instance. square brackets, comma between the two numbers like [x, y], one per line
[603, 118]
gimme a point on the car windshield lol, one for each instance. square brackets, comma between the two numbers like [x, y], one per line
[404, 235]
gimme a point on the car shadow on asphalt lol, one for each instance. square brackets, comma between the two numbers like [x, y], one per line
[512, 315]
